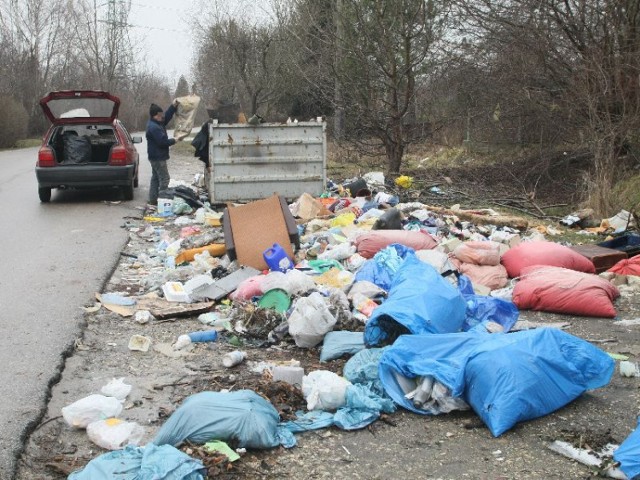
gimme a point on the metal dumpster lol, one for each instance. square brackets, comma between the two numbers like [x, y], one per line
[248, 162]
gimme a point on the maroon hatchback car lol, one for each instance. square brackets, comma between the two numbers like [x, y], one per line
[86, 145]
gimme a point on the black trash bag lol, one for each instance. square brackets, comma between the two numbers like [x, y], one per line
[201, 143]
[390, 220]
[76, 149]
[187, 194]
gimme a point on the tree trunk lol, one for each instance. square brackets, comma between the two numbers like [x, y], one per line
[394, 151]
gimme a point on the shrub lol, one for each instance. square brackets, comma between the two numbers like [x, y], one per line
[13, 121]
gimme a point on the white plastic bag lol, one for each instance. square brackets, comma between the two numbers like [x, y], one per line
[354, 262]
[310, 320]
[342, 251]
[299, 282]
[116, 388]
[324, 390]
[114, 434]
[91, 409]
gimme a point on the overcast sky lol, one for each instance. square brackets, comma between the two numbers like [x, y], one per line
[161, 28]
[165, 29]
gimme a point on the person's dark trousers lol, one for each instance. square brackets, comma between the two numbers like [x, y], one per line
[159, 179]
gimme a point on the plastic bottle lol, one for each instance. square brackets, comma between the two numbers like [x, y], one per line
[233, 358]
[423, 392]
[203, 336]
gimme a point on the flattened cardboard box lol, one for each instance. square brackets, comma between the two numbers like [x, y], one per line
[255, 227]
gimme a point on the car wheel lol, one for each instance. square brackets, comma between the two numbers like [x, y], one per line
[128, 191]
[45, 194]
[135, 181]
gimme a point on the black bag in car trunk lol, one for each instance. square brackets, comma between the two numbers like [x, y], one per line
[76, 149]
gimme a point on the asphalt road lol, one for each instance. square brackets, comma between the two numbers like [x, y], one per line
[54, 258]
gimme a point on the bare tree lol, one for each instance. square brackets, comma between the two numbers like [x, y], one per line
[581, 63]
[34, 32]
[374, 53]
[102, 43]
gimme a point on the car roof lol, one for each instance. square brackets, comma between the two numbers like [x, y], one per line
[80, 106]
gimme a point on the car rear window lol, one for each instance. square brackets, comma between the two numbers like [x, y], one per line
[81, 107]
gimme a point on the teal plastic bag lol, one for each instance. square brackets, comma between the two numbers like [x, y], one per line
[142, 463]
[243, 416]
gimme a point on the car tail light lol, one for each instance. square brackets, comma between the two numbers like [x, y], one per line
[46, 157]
[119, 156]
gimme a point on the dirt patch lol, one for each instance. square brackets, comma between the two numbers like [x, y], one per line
[400, 445]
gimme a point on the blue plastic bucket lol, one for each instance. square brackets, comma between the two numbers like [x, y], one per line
[277, 258]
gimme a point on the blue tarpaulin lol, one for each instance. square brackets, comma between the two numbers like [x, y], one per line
[505, 378]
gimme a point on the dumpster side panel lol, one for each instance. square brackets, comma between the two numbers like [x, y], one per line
[253, 162]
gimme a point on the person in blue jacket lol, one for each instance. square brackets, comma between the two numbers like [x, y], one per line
[158, 143]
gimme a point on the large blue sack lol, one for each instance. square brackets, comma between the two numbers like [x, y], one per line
[142, 463]
[628, 454]
[420, 301]
[505, 378]
[243, 416]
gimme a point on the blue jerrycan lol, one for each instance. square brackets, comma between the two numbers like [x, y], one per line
[277, 259]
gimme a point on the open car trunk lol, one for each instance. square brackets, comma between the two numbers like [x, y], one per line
[82, 144]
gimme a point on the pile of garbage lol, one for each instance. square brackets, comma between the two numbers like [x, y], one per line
[419, 299]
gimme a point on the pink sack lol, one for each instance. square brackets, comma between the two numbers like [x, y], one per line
[370, 243]
[478, 253]
[249, 288]
[544, 253]
[559, 290]
[491, 276]
[629, 266]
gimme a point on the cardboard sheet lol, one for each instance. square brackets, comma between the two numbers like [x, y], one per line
[256, 226]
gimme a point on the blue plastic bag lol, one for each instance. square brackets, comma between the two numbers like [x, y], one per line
[420, 301]
[340, 342]
[243, 416]
[381, 269]
[505, 378]
[628, 454]
[481, 308]
[142, 463]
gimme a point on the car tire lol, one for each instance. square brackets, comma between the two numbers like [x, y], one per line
[45, 194]
[128, 191]
[135, 181]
